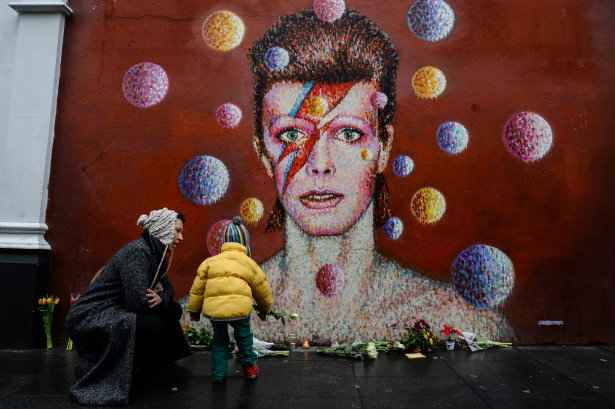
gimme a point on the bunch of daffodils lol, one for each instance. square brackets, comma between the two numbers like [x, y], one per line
[46, 306]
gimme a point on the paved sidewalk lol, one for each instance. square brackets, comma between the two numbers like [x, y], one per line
[521, 377]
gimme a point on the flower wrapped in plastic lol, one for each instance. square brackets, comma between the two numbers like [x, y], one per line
[476, 344]
[263, 348]
[361, 350]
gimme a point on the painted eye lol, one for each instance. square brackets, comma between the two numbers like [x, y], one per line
[291, 135]
[349, 135]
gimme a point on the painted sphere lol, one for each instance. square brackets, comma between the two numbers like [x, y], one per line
[428, 205]
[452, 137]
[330, 280]
[223, 30]
[203, 180]
[431, 20]
[317, 106]
[528, 136]
[483, 275]
[428, 82]
[394, 227]
[228, 115]
[215, 236]
[329, 10]
[403, 165]
[276, 58]
[251, 210]
[379, 100]
[145, 84]
[366, 154]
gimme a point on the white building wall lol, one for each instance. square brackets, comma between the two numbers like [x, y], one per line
[8, 36]
[31, 52]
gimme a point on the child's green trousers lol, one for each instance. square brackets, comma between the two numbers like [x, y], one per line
[220, 348]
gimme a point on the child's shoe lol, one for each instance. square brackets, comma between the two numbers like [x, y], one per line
[250, 372]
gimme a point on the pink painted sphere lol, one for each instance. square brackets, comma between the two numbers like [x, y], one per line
[330, 280]
[329, 10]
[379, 100]
[145, 84]
[215, 236]
[228, 115]
[528, 136]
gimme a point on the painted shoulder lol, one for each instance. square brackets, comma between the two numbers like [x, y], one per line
[441, 295]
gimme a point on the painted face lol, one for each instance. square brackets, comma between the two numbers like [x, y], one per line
[322, 146]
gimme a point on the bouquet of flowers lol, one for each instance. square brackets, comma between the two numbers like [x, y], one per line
[419, 338]
[46, 306]
[450, 333]
[361, 350]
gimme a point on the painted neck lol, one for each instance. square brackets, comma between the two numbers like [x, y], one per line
[352, 251]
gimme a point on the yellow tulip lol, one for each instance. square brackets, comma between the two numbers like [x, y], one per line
[41, 301]
[56, 300]
[49, 300]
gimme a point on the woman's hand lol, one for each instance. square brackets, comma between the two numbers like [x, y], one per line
[153, 299]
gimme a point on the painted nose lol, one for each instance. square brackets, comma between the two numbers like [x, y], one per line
[320, 162]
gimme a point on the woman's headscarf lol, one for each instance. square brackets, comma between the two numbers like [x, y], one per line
[160, 224]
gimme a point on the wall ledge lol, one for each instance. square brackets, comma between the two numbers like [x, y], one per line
[41, 6]
[25, 236]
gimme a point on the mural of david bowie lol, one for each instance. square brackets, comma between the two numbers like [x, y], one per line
[323, 131]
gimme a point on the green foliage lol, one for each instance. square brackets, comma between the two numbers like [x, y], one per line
[200, 337]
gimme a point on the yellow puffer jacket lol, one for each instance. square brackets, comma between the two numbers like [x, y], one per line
[225, 285]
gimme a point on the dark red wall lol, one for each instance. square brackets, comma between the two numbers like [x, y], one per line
[555, 218]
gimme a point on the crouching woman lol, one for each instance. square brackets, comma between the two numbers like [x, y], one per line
[127, 319]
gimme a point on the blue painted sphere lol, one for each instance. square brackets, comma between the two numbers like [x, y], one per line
[431, 20]
[483, 275]
[276, 58]
[403, 165]
[394, 227]
[204, 180]
[452, 137]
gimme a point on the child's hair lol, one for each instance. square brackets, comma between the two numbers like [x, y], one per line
[236, 232]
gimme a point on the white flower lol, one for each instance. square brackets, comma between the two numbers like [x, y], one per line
[372, 352]
[398, 345]
[293, 316]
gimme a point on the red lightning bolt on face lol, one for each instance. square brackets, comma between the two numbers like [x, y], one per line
[331, 95]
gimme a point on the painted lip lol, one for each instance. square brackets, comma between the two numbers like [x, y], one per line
[321, 199]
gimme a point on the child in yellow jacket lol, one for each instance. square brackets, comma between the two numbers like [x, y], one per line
[223, 290]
